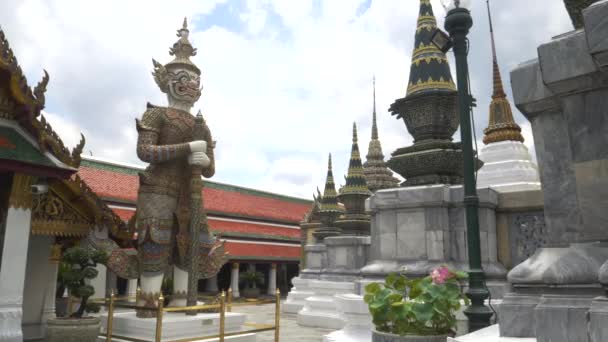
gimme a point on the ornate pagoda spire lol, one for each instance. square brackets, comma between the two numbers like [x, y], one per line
[355, 180]
[330, 210]
[353, 194]
[377, 174]
[501, 126]
[430, 71]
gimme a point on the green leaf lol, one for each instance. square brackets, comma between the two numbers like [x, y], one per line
[372, 288]
[84, 291]
[90, 273]
[391, 279]
[423, 311]
[368, 298]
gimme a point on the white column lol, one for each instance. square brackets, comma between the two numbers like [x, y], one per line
[234, 280]
[14, 259]
[272, 279]
[51, 288]
[211, 284]
[37, 286]
[110, 285]
[132, 288]
[99, 282]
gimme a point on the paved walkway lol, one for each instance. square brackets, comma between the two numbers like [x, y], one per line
[289, 330]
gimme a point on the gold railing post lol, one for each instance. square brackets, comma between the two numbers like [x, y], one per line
[230, 299]
[222, 315]
[277, 315]
[110, 320]
[159, 318]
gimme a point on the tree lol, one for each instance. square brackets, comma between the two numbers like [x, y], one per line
[80, 265]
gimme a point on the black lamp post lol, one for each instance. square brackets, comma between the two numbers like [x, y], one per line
[458, 22]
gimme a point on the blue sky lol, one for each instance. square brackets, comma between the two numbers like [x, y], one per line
[284, 79]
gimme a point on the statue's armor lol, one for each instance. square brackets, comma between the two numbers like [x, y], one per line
[164, 196]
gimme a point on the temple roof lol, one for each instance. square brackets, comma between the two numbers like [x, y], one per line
[501, 125]
[377, 174]
[430, 71]
[22, 105]
[118, 183]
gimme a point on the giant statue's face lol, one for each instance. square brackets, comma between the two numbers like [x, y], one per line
[184, 85]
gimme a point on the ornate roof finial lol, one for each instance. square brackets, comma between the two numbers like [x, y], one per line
[329, 200]
[355, 180]
[374, 125]
[377, 174]
[501, 126]
[430, 71]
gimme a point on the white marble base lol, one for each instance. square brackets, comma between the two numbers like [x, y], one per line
[507, 167]
[320, 310]
[176, 326]
[489, 334]
[358, 322]
[296, 298]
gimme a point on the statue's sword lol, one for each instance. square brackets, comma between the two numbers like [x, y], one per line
[196, 218]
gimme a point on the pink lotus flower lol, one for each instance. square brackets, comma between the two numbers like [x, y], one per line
[440, 275]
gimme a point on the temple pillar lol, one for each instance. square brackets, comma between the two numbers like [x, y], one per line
[131, 288]
[110, 285]
[272, 279]
[234, 280]
[49, 297]
[14, 258]
[99, 282]
[211, 284]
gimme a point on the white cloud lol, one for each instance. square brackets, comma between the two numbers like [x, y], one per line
[277, 99]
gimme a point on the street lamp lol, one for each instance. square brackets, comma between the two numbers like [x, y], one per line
[458, 22]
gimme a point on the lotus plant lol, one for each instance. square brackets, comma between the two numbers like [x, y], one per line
[421, 307]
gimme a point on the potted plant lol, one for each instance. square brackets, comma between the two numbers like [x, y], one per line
[78, 269]
[251, 280]
[421, 310]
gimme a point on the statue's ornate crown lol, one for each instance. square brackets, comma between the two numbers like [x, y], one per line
[183, 50]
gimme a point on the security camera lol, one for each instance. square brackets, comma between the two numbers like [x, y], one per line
[41, 187]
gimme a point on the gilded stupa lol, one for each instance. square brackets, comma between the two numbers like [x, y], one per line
[353, 195]
[508, 165]
[429, 111]
[377, 174]
[330, 209]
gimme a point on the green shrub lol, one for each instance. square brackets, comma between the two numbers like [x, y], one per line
[79, 266]
[424, 306]
[252, 278]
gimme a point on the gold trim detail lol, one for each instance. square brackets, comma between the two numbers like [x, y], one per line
[21, 192]
[430, 84]
[55, 256]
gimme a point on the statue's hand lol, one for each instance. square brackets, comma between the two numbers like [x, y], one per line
[198, 146]
[199, 159]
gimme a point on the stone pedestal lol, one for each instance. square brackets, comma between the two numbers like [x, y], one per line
[176, 326]
[12, 273]
[358, 322]
[507, 167]
[297, 296]
[316, 261]
[564, 94]
[417, 229]
[345, 257]
[598, 320]
[320, 310]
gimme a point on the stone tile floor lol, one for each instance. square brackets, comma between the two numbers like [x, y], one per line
[289, 330]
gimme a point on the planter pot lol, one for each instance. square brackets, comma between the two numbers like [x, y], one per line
[72, 329]
[249, 292]
[386, 337]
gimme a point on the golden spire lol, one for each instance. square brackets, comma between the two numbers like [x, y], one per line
[374, 125]
[501, 126]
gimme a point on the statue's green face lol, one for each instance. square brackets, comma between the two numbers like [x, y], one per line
[184, 85]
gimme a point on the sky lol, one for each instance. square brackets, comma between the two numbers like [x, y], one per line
[283, 79]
